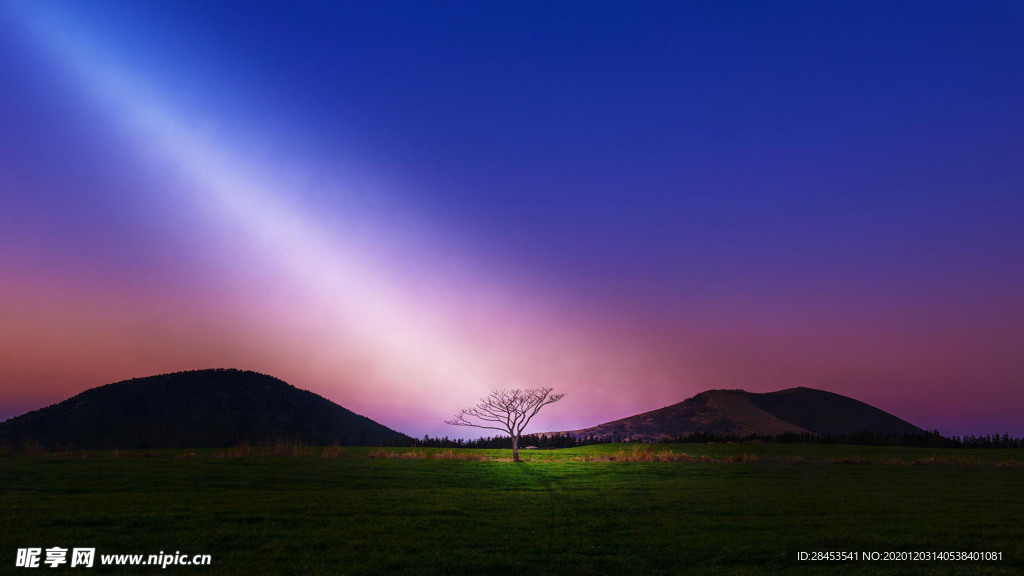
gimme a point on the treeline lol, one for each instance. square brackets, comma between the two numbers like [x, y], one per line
[987, 441]
[930, 439]
[542, 441]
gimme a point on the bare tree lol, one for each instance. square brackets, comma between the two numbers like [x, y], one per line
[506, 411]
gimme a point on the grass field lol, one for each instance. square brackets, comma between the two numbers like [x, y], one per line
[741, 509]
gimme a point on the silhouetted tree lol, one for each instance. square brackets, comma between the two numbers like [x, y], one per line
[507, 411]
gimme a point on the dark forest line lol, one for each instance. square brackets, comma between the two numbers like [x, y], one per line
[930, 439]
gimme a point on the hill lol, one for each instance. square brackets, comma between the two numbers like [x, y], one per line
[741, 413]
[195, 409]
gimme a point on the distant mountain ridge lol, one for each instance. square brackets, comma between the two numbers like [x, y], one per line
[737, 412]
[195, 409]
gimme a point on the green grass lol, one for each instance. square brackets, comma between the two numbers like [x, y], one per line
[555, 514]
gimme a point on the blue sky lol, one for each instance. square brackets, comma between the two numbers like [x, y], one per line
[663, 197]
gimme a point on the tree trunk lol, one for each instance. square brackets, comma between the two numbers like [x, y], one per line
[515, 448]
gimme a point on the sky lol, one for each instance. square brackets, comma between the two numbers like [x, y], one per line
[402, 206]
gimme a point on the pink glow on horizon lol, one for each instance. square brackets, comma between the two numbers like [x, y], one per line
[400, 319]
[350, 320]
[56, 346]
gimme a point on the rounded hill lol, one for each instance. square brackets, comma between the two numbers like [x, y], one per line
[194, 409]
[740, 413]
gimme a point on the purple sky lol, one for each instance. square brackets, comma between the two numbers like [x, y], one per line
[402, 206]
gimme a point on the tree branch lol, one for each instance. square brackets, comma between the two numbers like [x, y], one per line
[512, 409]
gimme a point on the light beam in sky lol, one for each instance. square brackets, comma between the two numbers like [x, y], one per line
[360, 306]
[403, 210]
